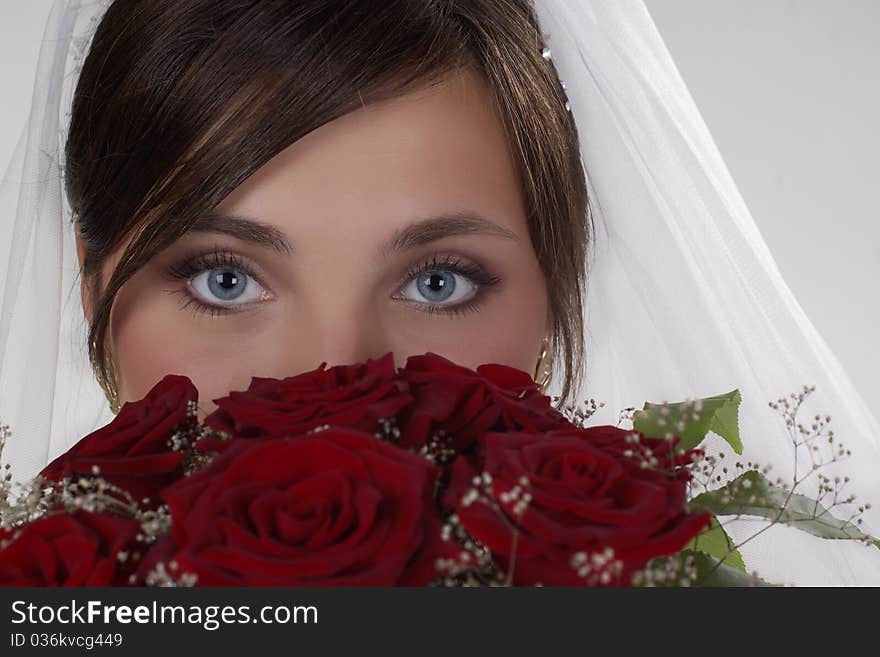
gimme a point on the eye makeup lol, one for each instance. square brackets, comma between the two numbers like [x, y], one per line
[189, 267]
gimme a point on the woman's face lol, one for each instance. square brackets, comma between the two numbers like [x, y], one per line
[398, 227]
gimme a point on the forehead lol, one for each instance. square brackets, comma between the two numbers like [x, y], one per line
[436, 149]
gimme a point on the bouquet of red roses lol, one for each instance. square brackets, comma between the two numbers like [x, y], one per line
[357, 475]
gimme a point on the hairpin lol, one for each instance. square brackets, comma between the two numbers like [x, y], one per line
[547, 54]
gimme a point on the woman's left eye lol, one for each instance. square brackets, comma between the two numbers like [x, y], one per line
[439, 286]
[447, 284]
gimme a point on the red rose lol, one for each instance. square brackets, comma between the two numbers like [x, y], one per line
[586, 496]
[76, 549]
[336, 507]
[132, 452]
[663, 456]
[466, 404]
[355, 396]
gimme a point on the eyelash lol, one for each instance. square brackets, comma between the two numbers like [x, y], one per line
[193, 266]
[449, 262]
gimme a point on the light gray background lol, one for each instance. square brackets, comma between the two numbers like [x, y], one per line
[790, 91]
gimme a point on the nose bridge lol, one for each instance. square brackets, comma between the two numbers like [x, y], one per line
[338, 312]
[350, 341]
[343, 330]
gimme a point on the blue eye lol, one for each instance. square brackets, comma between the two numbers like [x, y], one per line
[222, 286]
[440, 288]
[227, 284]
[437, 286]
[218, 282]
[447, 284]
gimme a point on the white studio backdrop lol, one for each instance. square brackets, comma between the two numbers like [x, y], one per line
[789, 91]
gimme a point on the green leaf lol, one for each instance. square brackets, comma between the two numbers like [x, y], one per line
[711, 572]
[694, 568]
[714, 541]
[752, 494]
[719, 414]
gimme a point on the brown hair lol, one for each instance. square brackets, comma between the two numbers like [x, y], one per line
[180, 101]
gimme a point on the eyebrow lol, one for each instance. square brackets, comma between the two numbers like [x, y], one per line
[416, 234]
[436, 228]
[245, 229]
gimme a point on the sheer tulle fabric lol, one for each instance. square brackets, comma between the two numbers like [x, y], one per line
[684, 298]
[48, 395]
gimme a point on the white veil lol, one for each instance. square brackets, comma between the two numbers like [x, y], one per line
[684, 298]
[48, 394]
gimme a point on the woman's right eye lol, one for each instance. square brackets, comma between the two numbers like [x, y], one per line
[225, 287]
[217, 283]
